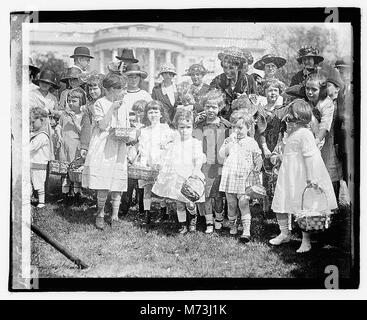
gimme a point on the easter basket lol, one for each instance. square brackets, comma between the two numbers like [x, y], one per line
[313, 220]
[193, 188]
[57, 167]
[75, 171]
[123, 134]
[140, 172]
[256, 191]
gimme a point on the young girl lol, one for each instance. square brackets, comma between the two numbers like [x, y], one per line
[72, 81]
[183, 158]
[212, 131]
[136, 116]
[322, 107]
[105, 168]
[153, 140]
[70, 126]
[94, 92]
[302, 165]
[40, 152]
[240, 170]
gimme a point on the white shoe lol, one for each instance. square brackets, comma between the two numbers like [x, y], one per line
[305, 247]
[41, 205]
[217, 225]
[192, 228]
[279, 240]
[233, 230]
[209, 229]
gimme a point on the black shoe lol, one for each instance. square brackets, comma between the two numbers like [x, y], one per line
[163, 216]
[148, 219]
[244, 239]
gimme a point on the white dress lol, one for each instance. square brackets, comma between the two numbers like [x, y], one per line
[132, 97]
[105, 166]
[292, 173]
[152, 145]
[177, 166]
[40, 154]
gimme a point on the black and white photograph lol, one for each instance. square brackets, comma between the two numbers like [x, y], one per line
[185, 152]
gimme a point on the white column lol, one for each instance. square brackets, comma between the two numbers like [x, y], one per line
[151, 69]
[101, 61]
[114, 54]
[179, 67]
[168, 56]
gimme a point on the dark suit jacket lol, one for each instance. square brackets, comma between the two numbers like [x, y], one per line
[170, 109]
[245, 84]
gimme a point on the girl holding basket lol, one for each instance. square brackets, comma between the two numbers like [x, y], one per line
[105, 168]
[301, 166]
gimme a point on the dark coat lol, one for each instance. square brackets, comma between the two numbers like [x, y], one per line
[170, 109]
[245, 84]
[298, 78]
[197, 95]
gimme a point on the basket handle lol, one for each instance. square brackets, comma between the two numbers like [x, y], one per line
[75, 160]
[309, 187]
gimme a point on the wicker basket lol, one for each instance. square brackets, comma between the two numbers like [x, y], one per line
[75, 171]
[312, 220]
[193, 188]
[140, 172]
[256, 192]
[124, 134]
[57, 167]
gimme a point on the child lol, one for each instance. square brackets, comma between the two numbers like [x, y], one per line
[183, 158]
[212, 131]
[105, 168]
[302, 165]
[72, 81]
[153, 140]
[94, 92]
[240, 170]
[322, 107]
[135, 119]
[40, 152]
[70, 126]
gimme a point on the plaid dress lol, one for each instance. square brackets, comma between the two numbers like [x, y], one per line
[238, 166]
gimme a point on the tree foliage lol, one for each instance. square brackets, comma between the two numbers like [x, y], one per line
[286, 40]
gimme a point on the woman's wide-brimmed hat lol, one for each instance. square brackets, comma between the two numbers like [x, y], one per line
[81, 52]
[196, 69]
[343, 62]
[309, 51]
[127, 55]
[71, 73]
[167, 67]
[237, 53]
[32, 66]
[135, 69]
[269, 58]
[47, 76]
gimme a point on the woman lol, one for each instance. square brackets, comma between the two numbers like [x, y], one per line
[198, 88]
[233, 81]
[270, 65]
[134, 93]
[308, 58]
[166, 92]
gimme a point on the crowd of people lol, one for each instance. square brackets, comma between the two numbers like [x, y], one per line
[240, 131]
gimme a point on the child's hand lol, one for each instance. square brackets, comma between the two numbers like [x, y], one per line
[233, 137]
[116, 105]
[83, 153]
[273, 159]
[267, 153]
[312, 184]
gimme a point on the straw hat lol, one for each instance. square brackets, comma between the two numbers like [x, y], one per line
[269, 58]
[335, 78]
[309, 51]
[127, 55]
[195, 69]
[343, 62]
[32, 66]
[81, 52]
[135, 69]
[237, 53]
[167, 67]
[47, 76]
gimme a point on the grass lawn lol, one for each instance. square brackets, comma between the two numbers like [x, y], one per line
[130, 251]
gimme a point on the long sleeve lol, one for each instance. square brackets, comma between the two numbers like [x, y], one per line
[86, 130]
[38, 142]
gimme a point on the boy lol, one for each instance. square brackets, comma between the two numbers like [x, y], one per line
[212, 130]
[40, 151]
